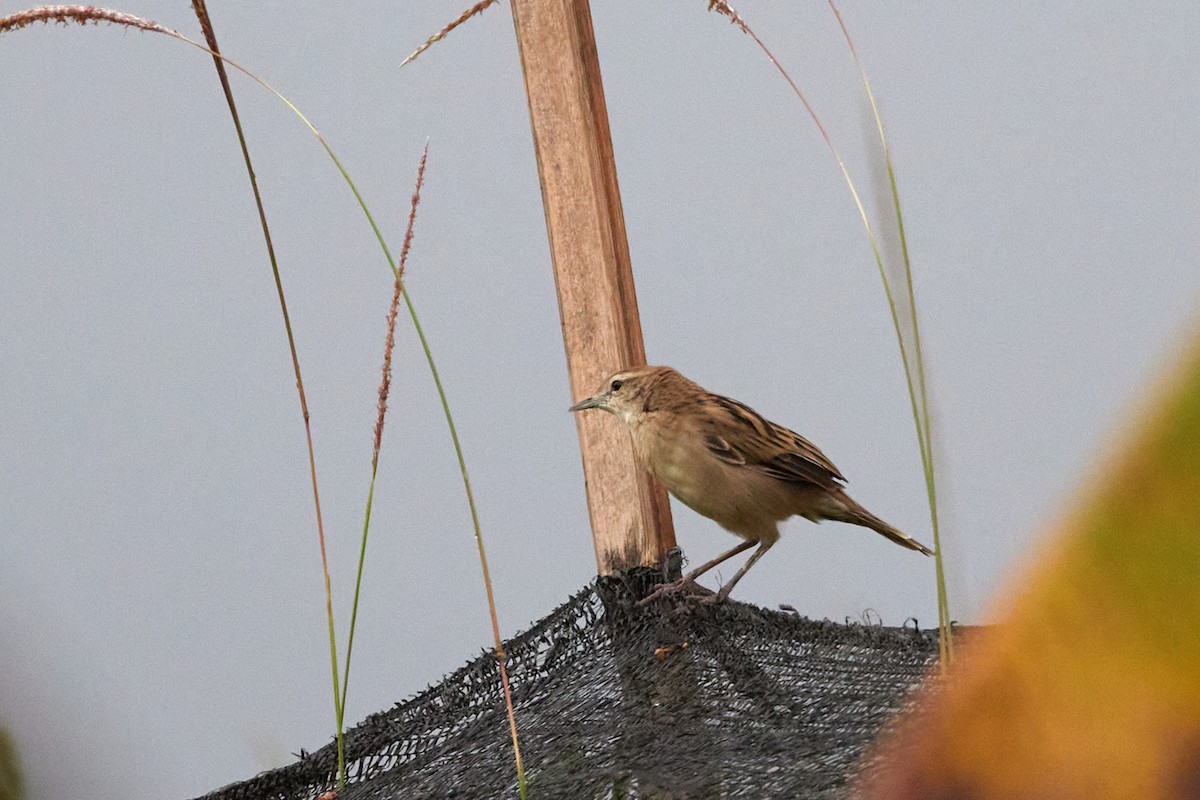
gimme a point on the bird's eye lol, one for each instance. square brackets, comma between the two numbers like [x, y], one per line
[616, 385]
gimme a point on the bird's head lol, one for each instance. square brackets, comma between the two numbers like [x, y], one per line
[628, 394]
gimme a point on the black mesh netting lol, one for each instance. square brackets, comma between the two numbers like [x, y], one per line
[757, 704]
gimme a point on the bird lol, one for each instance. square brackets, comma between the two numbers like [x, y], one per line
[727, 462]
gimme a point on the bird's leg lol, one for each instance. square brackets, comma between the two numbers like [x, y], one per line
[689, 580]
[703, 568]
[763, 547]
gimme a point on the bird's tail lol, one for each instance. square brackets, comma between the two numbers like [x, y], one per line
[850, 511]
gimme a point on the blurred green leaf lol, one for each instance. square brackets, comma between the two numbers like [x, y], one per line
[12, 787]
[1090, 687]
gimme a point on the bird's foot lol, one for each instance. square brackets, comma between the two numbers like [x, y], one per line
[685, 588]
[715, 598]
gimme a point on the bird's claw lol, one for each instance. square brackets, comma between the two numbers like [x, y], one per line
[713, 598]
[684, 588]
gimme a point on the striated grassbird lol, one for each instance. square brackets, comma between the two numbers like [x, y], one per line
[725, 461]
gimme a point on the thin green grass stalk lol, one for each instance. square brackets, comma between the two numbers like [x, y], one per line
[723, 7]
[384, 388]
[487, 579]
[946, 640]
[412, 312]
[90, 14]
[210, 35]
[919, 410]
[462, 467]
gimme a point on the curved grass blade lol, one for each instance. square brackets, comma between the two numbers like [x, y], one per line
[925, 429]
[384, 389]
[919, 406]
[210, 36]
[91, 14]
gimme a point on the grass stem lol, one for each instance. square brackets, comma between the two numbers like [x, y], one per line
[210, 35]
[917, 394]
[384, 389]
[924, 427]
[89, 14]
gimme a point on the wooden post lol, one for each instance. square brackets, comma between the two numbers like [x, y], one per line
[630, 514]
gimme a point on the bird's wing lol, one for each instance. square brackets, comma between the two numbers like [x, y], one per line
[739, 435]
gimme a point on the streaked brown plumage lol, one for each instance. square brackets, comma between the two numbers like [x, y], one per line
[725, 461]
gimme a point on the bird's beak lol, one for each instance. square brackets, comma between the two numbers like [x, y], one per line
[591, 402]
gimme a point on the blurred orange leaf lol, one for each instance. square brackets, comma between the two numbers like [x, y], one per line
[1090, 686]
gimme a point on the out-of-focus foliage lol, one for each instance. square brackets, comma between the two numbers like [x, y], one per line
[11, 785]
[1090, 687]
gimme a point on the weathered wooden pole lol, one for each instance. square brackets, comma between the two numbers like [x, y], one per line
[630, 514]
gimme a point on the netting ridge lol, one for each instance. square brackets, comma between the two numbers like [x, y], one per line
[751, 697]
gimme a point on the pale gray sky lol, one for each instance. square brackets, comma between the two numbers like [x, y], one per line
[160, 593]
